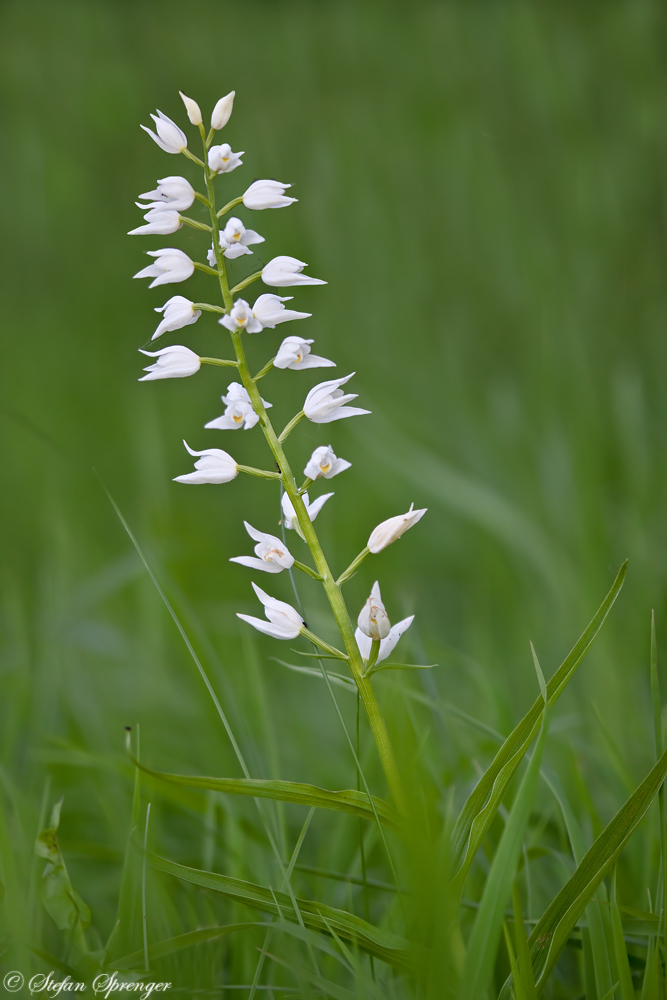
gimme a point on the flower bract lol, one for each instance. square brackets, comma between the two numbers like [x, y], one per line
[323, 463]
[392, 529]
[326, 402]
[271, 554]
[170, 266]
[294, 352]
[284, 271]
[267, 194]
[214, 466]
[171, 192]
[172, 362]
[284, 622]
[223, 160]
[169, 136]
[177, 312]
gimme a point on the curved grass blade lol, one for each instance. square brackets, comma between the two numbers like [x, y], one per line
[482, 803]
[553, 929]
[316, 916]
[178, 943]
[348, 801]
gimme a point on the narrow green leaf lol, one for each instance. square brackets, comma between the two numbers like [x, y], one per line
[554, 927]
[483, 942]
[189, 940]
[338, 679]
[484, 800]
[524, 981]
[621, 962]
[381, 944]
[650, 986]
[348, 801]
[400, 666]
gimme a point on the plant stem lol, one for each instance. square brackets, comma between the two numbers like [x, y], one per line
[331, 587]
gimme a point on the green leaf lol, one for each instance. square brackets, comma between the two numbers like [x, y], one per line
[339, 679]
[60, 898]
[484, 800]
[347, 801]
[317, 916]
[523, 977]
[623, 973]
[181, 941]
[483, 943]
[552, 930]
[400, 666]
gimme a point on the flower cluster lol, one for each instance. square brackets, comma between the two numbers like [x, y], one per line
[231, 240]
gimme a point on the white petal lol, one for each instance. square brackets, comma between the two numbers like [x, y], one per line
[268, 627]
[364, 643]
[340, 414]
[387, 645]
[254, 563]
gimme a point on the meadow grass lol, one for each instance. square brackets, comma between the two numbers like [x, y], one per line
[482, 185]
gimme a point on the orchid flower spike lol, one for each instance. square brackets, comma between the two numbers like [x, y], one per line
[177, 312]
[192, 108]
[323, 462]
[222, 112]
[169, 136]
[235, 240]
[326, 402]
[269, 311]
[373, 620]
[271, 554]
[290, 519]
[387, 645]
[176, 193]
[172, 362]
[171, 265]
[294, 352]
[214, 466]
[283, 271]
[239, 413]
[159, 222]
[388, 531]
[267, 194]
[222, 160]
[284, 622]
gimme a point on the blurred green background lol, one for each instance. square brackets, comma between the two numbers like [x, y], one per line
[482, 184]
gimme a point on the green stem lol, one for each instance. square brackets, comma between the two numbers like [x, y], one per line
[264, 371]
[290, 427]
[219, 361]
[246, 281]
[353, 567]
[332, 589]
[207, 307]
[193, 224]
[306, 569]
[191, 156]
[260, 473]
[230, 204]
[205, 268]
[331, 650]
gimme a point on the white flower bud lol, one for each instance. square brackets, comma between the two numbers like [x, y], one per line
[172, 362]
[222, 111]
[159, 222]
[267, 194]
[392, 529]
[284, 622]
[373, 620]
[171, 265]
[177, 312]
[283, 271]
[169, 136]
[192, 108]
[215, 466]
[269, 311]
[271, 555]
[176, 193]
[326, 402]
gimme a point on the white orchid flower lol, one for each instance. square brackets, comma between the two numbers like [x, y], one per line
[284, 622]
[324, 463]
[171, 265]
[271, 554]
[294, 352]
[215, 466]
[177, 312]
[326, 402]
[392, 529]
[222, 112]
[290, 518]
[283, 271]
[267, 194]
[235, 240]
[269, 311]
[373, 619]
[159, 222]
[169, 136]
[192, 108]
[172, 362]
[239, 413]
[365, 643]
[241, 317]
[171, 192]
[222, 160]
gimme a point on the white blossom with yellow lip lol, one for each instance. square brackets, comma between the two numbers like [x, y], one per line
[271, 554]
[176, 193]
[294, 352]
[323, 463]
[290, 520]
[235, 240]
[326, 402]
[222, 160]
[239, 412]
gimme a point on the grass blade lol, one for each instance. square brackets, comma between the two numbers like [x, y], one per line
[482, 803]
[621, 962]
[316, 916]
[554, 927]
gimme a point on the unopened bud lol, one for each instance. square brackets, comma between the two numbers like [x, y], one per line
[392, 529]
[373, 620]
[192, 108]
[222, 112]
